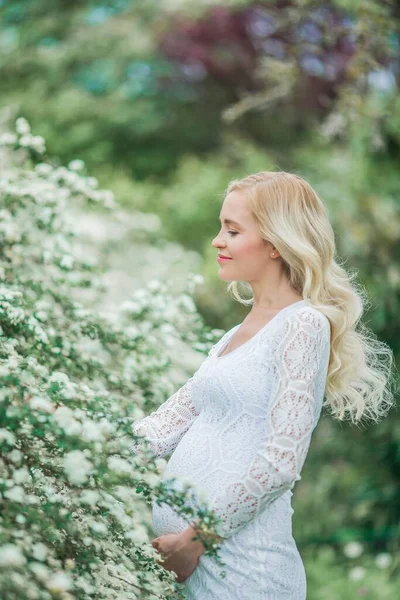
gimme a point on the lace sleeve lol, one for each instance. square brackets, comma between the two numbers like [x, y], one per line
[165, 427]
[298, 383]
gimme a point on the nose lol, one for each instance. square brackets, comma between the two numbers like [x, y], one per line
[217, 243]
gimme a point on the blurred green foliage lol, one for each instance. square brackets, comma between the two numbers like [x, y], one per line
[140, 84]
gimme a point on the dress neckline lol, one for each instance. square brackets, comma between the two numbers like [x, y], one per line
[234, 329]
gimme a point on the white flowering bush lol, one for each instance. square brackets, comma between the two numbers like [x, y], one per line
[74, 499]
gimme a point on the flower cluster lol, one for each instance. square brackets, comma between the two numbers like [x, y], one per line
[74, 515]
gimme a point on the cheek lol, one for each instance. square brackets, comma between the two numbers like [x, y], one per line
[248, 248]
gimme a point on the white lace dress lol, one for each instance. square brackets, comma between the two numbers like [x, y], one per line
[240, 430]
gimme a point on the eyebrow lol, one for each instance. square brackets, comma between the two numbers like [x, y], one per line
[227, 221]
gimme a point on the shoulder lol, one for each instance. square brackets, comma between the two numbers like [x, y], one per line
[307, 320]
[314, 317]
[301, 344]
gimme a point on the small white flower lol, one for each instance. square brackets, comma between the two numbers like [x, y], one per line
[59, 377]
[64, 417]
[43, 169]
[353, 549]
[40, 403]
[41, 571]
[20, 519]
[137, 414]
[67, 261]
[16, 494]
[108, 198]
[154, 285]
[38, 143]
[76, 165]
[203, 495]
[87, 588]
[11, 556]
[15, 456]
[7, 139]
[119, 465]
[7, 436]
[187, 303]
[22, 126]
[161, 464]
[383, 560]
[99, 528]
[92, 182]
[22, 475]
[130, 306]
[69, 391]
[92, 432]
[138, 534]
[26, 141]
[357, 573]
[59, 582]
[106, 428]
[198, 279]
[31, 499]
[70, 563]
[39, 551]
[77, 467]
[90, 497]
[151, 478]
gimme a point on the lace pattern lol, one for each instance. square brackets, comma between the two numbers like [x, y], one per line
[165, 427]
[240, 431]
[291, 420]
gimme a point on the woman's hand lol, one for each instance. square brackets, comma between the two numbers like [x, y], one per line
[180, 553]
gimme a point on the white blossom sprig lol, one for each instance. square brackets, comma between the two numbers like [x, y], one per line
[74, 499]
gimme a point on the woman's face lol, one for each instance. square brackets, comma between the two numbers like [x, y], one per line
[239, 239]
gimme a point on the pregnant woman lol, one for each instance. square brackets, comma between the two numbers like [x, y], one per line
[241, 427]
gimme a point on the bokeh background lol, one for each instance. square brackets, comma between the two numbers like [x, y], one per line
[165, 102]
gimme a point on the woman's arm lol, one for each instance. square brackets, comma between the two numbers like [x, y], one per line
[165, 427]
[299, 375]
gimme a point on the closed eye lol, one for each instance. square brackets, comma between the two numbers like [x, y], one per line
[231, 232]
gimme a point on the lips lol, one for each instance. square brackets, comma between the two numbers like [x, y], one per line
[222, 259]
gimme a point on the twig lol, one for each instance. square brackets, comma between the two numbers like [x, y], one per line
[136, 586]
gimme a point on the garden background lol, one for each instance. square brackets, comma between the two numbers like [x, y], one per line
[163, 104]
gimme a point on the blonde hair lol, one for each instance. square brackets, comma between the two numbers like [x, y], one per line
[294, 219]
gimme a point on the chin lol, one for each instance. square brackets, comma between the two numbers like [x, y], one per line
[226, 278]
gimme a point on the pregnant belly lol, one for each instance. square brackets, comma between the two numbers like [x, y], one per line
[185, 466]
[200, 460]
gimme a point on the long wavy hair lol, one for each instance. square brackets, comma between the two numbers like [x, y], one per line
[293, 218]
